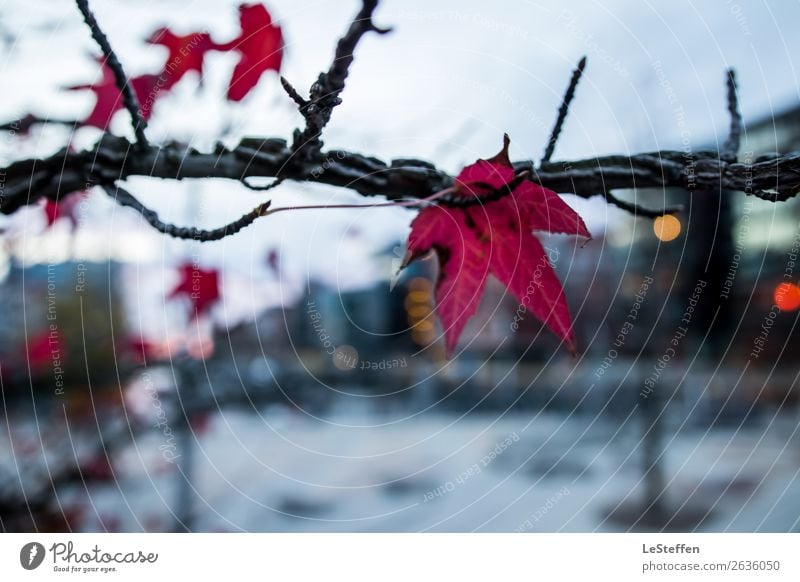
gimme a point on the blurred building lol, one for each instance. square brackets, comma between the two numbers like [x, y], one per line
[62, 329]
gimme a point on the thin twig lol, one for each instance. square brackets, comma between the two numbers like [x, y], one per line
[396, 204]
[637, 210]
[125, 198]
[128, 95]
[293, 94]
[730, 149]
[563, 110]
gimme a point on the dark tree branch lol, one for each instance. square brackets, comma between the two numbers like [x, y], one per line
[730, 149]
[125, 198]
[128, 95]
[563, 110]
[324, 93]
[772, 178]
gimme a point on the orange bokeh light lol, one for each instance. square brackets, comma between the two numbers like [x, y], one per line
[787, 296]
[667, 227]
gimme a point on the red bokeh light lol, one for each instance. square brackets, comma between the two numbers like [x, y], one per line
[787, 296]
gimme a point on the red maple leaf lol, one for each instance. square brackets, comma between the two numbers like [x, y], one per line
[186, 53]
[274, 262]
[260, 44]
[141, 349]
[496, 237]
[148, 88]
[43, 350]
[67, 208]
[97, 468]
[199, 286]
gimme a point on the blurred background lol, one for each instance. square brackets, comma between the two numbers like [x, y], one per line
[288, 379]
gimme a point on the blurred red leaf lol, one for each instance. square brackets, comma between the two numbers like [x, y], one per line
[274, 262]
[43, 350]
[148, 88]
[97, 468]
[186, 53]
[260, 45]
[141, 350]
[200, 422]
[67, 208]
[496, 237]
[199, 286]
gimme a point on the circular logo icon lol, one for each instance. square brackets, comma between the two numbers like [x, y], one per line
[31, 555]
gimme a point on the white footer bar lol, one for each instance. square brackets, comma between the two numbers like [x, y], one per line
[406, 557]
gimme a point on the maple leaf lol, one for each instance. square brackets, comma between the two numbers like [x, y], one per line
[274, 262]
[141, 349]
[148, 88]
[199, 286]
[97, 468]
[186, 53]
[42, 350]
[496, 237]
[67, 208]
[260, 45]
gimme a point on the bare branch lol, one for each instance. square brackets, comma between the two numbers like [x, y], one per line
[772, 178]
[730, 149]
[128, 94]
[563, 110]
[324, 93]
